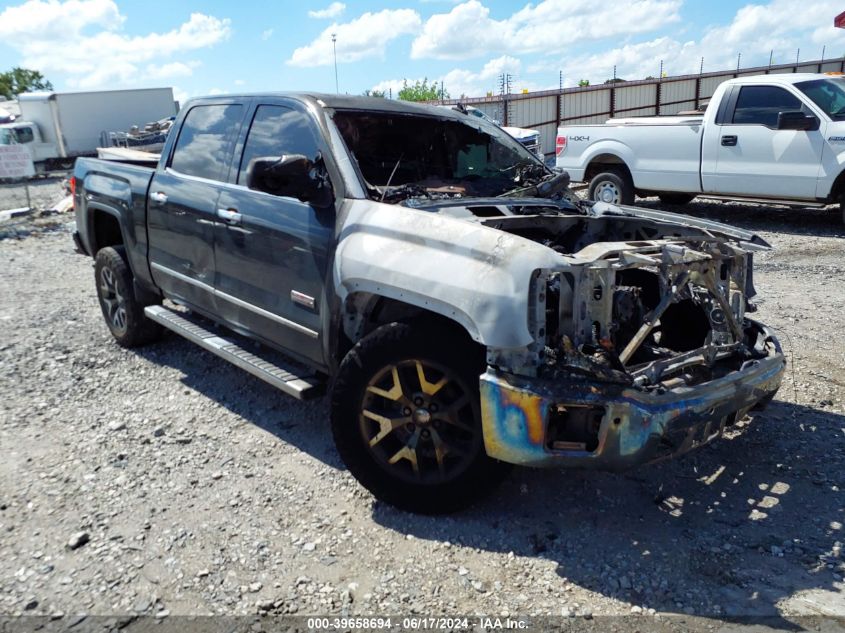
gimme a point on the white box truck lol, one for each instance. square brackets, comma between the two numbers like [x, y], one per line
[59, 126]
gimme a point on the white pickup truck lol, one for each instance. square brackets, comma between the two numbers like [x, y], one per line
[777, 138]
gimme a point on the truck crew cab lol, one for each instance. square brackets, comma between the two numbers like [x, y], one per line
[461, 308]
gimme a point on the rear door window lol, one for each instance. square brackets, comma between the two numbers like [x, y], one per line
[276, 131]
[760, 105]
[205, 140]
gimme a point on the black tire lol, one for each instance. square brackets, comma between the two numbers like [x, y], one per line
[426, 455]
[123, 313]
[613, 186]
[675, 198]
[842, 209]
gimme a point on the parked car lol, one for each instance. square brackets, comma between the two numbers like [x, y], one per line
[771, 137]
[434, 276]
[60, 126]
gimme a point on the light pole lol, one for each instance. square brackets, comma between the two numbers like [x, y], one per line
[334, 48]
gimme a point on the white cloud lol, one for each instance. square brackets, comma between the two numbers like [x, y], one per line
[755, 31]
[239, 82]
[170, 70]
[330, 12]
[82, 39]
[468, 30]
[266, 35]
[460, 82]
[365, 36]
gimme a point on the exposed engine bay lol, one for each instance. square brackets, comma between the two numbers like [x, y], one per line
[649, 303]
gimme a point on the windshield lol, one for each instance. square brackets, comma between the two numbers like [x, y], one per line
[828, 94]
[402, 156]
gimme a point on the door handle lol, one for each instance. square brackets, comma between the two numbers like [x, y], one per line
[229, 216]
[729, 141]
[158, 197]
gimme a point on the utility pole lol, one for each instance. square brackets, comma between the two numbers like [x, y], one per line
[738, 59]
[334, 48]
[797, 55]
[771, 57]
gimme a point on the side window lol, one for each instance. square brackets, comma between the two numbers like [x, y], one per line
[760, 105]
[205, 140]
[25, 135]
[275, 131]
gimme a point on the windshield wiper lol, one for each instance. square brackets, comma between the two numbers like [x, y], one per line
[546, 188]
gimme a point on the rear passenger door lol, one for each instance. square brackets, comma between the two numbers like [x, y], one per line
[272, 254]
[182, 203]
[753, 157]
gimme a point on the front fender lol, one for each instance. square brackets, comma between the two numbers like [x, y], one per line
[475, 275]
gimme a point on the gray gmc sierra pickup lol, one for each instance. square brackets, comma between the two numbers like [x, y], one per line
[463, 309]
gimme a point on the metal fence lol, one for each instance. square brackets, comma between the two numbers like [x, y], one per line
[545, 111]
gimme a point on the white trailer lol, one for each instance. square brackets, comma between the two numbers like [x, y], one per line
[59, 126]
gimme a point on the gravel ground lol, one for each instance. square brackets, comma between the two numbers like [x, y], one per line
[163, 481]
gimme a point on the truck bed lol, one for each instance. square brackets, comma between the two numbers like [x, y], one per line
[119, 190]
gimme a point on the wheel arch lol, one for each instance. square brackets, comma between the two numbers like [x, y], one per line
[363, 312]
[837, 190]
[603, 162]
[105, 227]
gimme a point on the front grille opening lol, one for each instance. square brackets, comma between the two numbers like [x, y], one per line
[684, 326]
[574, 427]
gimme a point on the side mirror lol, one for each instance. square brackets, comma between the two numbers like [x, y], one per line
[290, 175]
[797, 120]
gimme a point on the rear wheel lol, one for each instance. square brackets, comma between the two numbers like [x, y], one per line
[842, 209]
[675, 198]
[406, 419]
[123, 313]
[613, 186]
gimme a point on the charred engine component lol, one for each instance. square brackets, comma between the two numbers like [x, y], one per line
[628, 314]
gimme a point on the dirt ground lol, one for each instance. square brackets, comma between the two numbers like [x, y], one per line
[163, 481]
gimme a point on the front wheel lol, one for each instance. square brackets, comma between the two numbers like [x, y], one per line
[406, 419]
[613, 187]
[123, 313]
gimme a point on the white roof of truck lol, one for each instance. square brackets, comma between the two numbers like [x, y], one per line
[786, 78]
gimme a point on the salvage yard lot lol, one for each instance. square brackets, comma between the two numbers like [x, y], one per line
[204, 491]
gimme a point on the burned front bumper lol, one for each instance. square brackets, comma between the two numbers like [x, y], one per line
[619, 426]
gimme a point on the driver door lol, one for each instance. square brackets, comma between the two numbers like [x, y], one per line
[271, 251]
[754, 158]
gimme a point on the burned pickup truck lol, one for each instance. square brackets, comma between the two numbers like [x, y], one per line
[462, 307]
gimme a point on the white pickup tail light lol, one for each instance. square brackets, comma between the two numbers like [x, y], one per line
[560, 145]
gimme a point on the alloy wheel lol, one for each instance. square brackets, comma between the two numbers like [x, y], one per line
[418, 420]
[113, 300]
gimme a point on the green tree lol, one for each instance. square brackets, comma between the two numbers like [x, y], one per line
[615, 80]
[583, 83]
[18, 80]
[422, 91]
[374, 93]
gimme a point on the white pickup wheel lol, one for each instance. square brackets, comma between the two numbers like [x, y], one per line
[612, 186]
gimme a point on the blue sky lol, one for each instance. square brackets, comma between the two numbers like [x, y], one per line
[206, 47]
